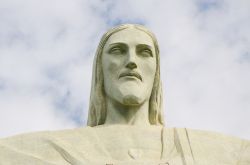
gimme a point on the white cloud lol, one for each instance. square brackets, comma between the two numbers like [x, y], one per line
[47, 49]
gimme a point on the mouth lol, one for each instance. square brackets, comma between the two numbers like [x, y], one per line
[131, 74]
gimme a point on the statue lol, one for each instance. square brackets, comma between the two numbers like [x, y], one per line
[125, 122]
[126, 88]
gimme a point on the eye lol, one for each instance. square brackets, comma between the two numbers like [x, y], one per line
[116, 50]
[145, 52]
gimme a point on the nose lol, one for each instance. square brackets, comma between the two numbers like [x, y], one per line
[131, 65]
[131, 62]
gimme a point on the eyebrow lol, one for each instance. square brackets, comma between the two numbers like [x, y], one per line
[124, 44]
[117, 43]
[144, 45]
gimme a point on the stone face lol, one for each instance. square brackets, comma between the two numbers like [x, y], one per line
[129, 66]
[121, 144]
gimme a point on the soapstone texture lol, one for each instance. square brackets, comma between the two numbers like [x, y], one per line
[123, 144]
[125, 122]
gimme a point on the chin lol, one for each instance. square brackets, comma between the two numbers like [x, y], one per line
[131, 100]
[129, 93]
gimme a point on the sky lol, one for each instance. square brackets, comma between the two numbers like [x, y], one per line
[47, 49]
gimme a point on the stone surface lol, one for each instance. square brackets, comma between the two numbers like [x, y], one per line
[122, 144]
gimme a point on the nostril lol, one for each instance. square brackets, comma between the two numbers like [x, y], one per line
[131, 65]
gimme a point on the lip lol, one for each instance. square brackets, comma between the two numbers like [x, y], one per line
[131, 74]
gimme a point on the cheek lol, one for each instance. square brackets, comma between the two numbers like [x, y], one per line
[149, 69]
[110, 67]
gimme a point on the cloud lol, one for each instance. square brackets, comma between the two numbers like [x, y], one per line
[44, 59]
[47, 50]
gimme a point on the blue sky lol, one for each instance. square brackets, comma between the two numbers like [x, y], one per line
[47, 49]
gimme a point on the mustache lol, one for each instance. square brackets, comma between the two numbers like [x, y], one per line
[133, 73]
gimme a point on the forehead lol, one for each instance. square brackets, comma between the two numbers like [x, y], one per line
[131, 36]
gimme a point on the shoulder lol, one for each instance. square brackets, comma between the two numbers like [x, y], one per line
[45, 147]
[217, 147]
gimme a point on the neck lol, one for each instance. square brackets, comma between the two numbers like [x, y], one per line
[123, 114]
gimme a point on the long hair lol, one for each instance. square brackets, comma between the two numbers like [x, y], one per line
[97, 105]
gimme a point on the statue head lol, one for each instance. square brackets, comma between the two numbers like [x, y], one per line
[129, 79]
